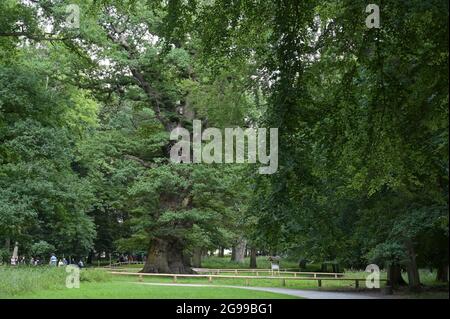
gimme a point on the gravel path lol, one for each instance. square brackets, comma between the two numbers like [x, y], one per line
[308, 294]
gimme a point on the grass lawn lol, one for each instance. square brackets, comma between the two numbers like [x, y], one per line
[295, 284]
[427, 278]
[48, 282]
[129, 290]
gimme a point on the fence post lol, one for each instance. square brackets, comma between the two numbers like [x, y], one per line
[140, 278]
[356, 283]
[210, 279]
[320, 283]
[284, 282]
[175, 278]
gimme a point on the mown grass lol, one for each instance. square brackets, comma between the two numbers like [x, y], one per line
[49, 282]
[295, 284]
[18, 280]
[427, 279]
[130, 290]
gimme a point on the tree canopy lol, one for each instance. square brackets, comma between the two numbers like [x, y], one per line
[86, 113]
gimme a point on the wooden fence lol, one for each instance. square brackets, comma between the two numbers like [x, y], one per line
[237, 271]
[247, 278]
[273, 272]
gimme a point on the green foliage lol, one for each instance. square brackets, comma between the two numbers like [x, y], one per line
[41, 248]
[362, 117]
[388, 253]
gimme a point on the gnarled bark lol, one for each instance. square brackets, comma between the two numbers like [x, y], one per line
[394, 276]
[442, 273]
[197, 257]
[413, 271]
[166, 256]
[253, 257]
[239, 250]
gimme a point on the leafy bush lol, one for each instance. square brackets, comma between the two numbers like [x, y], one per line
[42, 248]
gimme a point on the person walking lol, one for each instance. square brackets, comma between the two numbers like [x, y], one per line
[53, 260]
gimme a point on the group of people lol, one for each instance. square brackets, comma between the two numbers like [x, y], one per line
[15, 261]
[130, 258]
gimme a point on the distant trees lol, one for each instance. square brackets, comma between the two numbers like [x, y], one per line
[41, 198]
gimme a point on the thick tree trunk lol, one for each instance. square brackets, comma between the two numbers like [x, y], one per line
[413, 271]
[8, 244]
[166, 256]
[233, 253]
[157, 257]
[442, 273]
[240, 250]
[221, 251]
[197, 257]
[253, 257]
[90, 258]
[394, 276]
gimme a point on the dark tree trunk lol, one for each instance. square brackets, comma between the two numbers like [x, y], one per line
[394, 276]
[187, 260]
[413, 271]
[233, 253]
[90, 258]
[221, 251]
[442, 273]
[157, 257]
[166, 256]
[8, 244]
[240, 250]
[253, 257]
[197, 257]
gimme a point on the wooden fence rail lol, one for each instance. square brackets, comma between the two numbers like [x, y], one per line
[247, 278]
[236, 271]
[258, 271]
